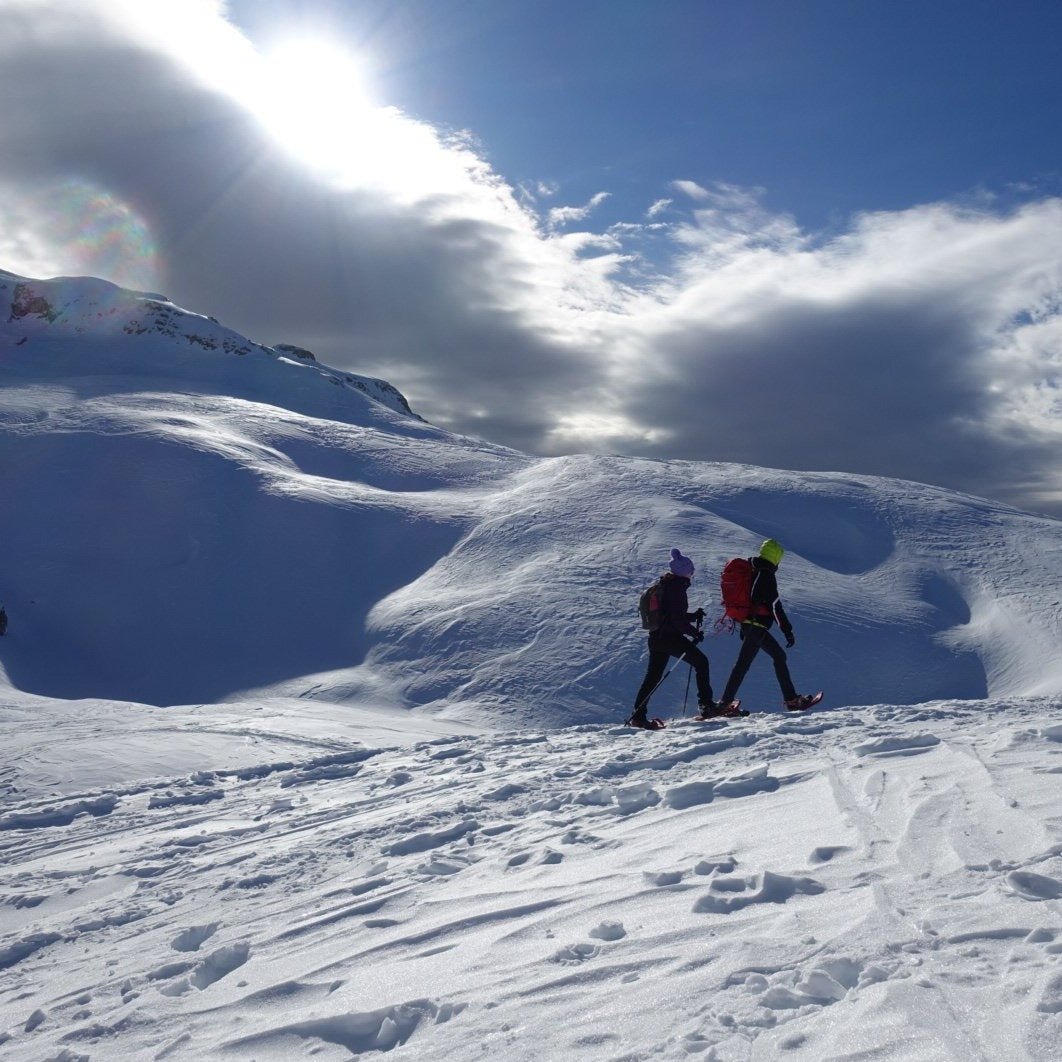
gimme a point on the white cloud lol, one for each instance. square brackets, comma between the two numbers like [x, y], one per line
[559, 216]
[921, 343]
[691, 189]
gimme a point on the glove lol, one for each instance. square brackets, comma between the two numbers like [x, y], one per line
[790, 639]
[697, 637]
[698, 616]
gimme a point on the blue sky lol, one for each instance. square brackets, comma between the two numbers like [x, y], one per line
[821, 235]
[831, 106]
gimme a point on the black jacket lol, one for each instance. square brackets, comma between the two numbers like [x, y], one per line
[766, 605]
[677, 619]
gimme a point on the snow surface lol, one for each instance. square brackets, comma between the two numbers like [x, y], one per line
[310, 748]
[880, 883]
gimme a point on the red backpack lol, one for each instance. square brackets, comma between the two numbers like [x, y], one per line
[736, 585]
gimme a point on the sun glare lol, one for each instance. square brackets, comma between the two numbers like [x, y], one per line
[309, 94]
[313, 100]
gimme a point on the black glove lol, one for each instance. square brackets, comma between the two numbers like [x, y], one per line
[790, 639]
[698, 637]
[698, 616]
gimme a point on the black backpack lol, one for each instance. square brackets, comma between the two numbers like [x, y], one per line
[651, 606]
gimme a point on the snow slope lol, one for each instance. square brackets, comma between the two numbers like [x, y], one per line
[310, 749]
[880, 883]
[192, 517]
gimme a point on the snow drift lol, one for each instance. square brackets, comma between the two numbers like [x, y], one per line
[192, 516]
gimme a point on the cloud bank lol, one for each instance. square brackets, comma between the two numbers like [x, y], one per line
[151, 144]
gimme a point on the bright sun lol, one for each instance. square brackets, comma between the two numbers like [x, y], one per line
[313, 101]
[309, 94]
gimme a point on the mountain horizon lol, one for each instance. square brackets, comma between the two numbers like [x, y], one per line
[222, 518]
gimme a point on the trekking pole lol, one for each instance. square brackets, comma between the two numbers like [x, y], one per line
[645, 699]
[686, 695]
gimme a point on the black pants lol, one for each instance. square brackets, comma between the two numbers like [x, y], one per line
[753, 639]
[661, 650]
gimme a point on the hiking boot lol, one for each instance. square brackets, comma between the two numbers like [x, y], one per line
[720, 709]
[643, 722]
[709, 709]
[799, 703]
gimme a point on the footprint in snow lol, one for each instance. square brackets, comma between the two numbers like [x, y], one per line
[828, 981]
[609, 930]
[193, 938]
[898, 745]
[202, 975]
[574, 954]
[59, 814]
[20, 949]
[168, 971]
[825, 853]
[662, 878]
[416, 843]
[1030, 886]
[718, 865]
[631, 799]
[181, 799]
[438, 868]
[1051, 1000]
[547, 858]
[1040, 936]
[726, 894]
[357, 1032]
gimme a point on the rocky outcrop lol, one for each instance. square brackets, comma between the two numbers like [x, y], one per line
[292, 351]
[28, 302]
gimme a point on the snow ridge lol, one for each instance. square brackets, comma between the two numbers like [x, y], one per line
[71, 310]
[177, 493]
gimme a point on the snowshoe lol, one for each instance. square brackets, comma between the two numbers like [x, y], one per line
[642, 722]
[803, 701]
[721, 710]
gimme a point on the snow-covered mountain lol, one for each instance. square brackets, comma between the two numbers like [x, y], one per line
[302, 751]
[191, 516]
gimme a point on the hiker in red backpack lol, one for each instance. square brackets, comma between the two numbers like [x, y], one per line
[755, 615]
[673, 634]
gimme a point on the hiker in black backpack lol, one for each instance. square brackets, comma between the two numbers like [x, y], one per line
[764, 607]
[672, 634]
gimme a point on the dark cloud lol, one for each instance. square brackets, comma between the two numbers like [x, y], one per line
[913, 380]
[875, 387]
[854, 356]
[248, 235]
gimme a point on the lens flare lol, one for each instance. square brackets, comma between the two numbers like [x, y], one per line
[76, 227]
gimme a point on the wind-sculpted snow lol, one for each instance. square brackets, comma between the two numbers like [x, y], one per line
[812, 888]
[191, 516]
